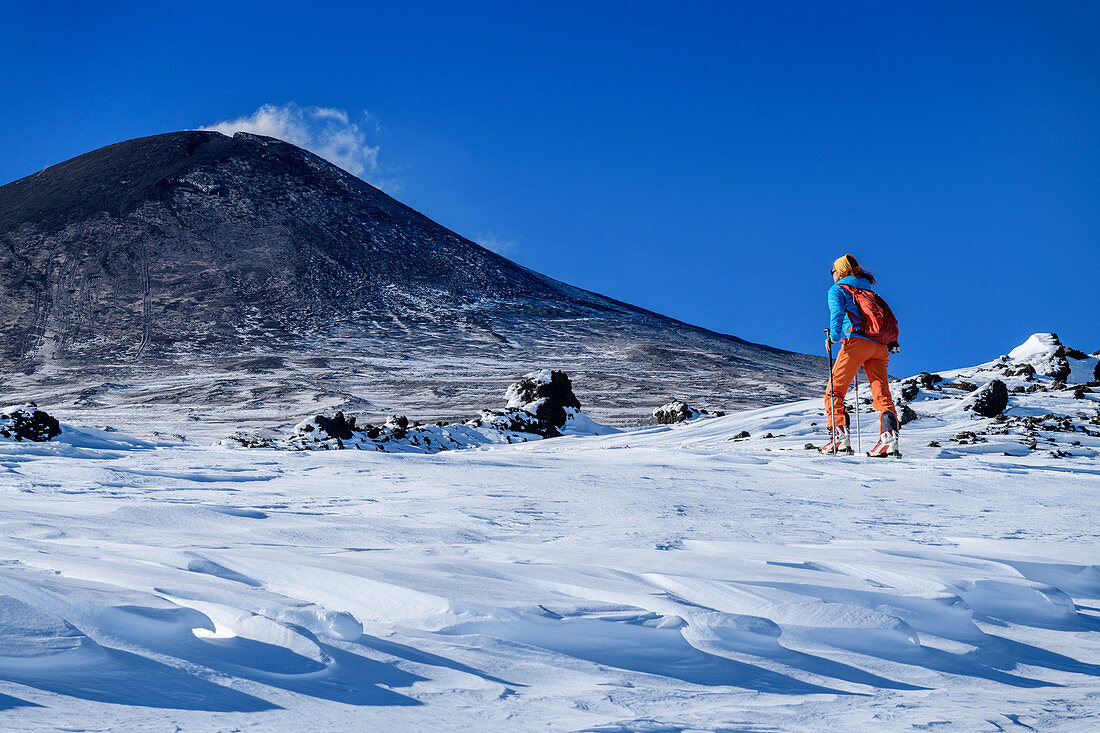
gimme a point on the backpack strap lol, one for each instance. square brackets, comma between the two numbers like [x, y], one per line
[856, 327]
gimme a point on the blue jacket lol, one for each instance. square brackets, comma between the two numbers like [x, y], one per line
[843, 313]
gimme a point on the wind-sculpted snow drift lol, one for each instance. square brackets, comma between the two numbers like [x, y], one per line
[663, 578]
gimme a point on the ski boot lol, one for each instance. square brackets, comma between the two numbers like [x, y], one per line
[841, 442]
[887, 446]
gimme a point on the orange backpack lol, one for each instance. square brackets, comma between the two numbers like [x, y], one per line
[876, 320]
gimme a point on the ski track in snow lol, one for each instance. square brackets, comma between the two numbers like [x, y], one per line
[667, 578]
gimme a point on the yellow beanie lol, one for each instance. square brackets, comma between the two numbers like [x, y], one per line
[846, 265]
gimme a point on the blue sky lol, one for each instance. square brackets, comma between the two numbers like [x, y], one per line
[704, 160]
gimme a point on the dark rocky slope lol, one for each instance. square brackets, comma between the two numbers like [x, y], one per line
[223, 279]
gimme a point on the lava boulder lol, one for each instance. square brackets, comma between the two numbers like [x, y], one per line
[991, 400]
[546, 394]
[676, 411]
[336, 426]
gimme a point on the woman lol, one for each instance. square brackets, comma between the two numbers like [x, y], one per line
[848, 324]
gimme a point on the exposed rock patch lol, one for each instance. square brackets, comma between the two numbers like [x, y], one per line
[679, 411]
[540, 405]
[928, 381]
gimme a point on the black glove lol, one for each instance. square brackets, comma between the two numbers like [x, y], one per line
[893, 347]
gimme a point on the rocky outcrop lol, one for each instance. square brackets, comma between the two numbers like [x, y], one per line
[989, 401]
[540, 405]
[1045, 353]
[27, 422]
[546, 394]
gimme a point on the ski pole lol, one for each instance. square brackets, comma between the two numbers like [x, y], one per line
[832, 394]
[859, 444]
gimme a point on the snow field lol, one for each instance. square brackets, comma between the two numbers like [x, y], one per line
[667, 578]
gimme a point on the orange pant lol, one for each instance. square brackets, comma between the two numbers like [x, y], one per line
[855, 353]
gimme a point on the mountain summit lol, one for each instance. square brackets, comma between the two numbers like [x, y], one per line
[162, 271]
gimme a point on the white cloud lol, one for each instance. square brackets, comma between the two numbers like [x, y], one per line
[492, 242]
[325, 131]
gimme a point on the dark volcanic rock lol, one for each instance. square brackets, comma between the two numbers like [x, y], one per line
[1059, 366]
[990, 400]
[27, 422]
[907, 415]
[545, 394]
[1024, 370]
[909, 390]
[678, 411]
[927, 380]
[336, 426]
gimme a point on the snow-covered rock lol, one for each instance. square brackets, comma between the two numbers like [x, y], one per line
[679, 411]
[27, 422]
[1044, 352]
[547, 394]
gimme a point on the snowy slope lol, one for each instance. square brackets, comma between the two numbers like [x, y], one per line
[665, 578]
